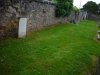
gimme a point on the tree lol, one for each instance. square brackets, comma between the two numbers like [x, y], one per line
[91, 7]
[64, 7]
[98, 8]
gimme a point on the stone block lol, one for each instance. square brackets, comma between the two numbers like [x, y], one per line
[22, 27]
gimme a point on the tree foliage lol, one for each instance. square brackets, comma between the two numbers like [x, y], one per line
[64, 7]
[75, 8]
[99, 6]
[91, 7]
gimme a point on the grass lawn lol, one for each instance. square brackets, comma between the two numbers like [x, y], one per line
[66, 49]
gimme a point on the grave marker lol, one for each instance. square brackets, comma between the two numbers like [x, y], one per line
[98, 37]
[22, 27]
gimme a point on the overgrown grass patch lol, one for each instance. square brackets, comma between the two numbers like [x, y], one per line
[65, 49]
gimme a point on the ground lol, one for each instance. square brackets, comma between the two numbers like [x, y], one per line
[65, 49]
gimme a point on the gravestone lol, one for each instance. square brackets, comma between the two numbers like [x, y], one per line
[98, 37]
[22, 27]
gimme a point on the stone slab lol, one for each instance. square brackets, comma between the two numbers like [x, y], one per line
[22, 27]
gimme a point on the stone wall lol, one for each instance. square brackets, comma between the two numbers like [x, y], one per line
[42, 15]
[39, 15]
[94, 17]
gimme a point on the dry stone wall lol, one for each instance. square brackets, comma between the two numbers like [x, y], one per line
[39, 15]
[42, 15]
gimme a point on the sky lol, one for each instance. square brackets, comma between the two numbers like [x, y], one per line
[80, 3]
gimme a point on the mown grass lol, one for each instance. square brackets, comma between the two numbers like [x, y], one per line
[65, 49]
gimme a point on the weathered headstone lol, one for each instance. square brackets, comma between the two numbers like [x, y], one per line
[22, 27]
[98, 37]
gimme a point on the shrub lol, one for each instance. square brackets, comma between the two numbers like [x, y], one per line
[63, 8]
